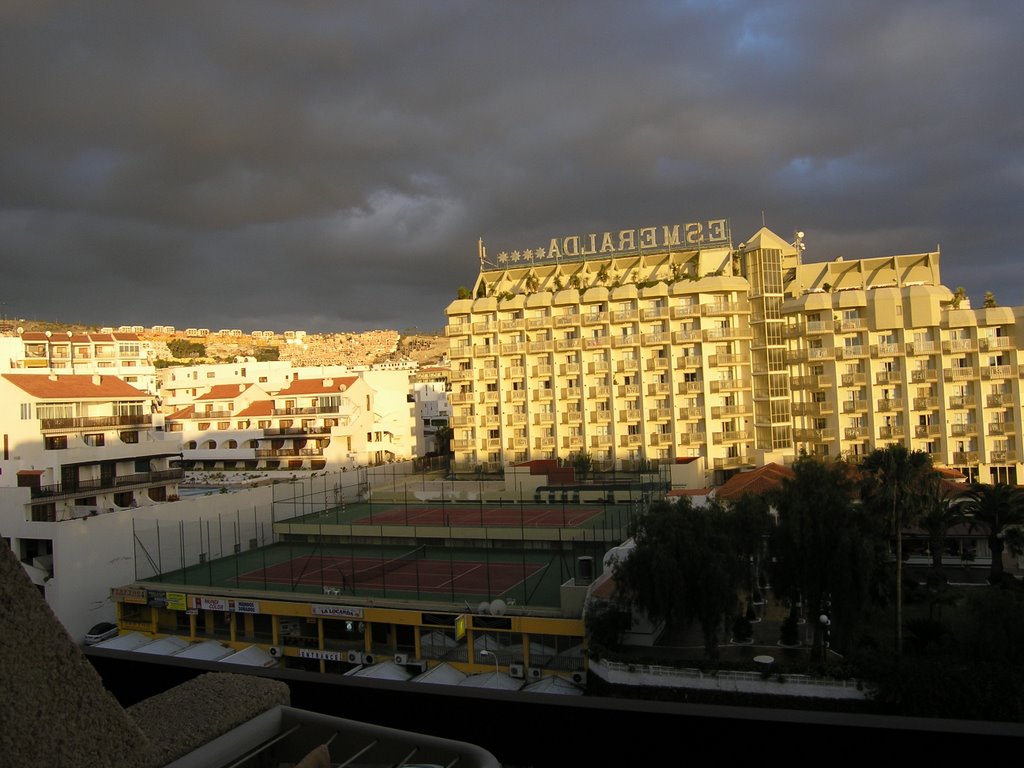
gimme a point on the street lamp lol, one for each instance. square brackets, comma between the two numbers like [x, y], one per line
[485, 652]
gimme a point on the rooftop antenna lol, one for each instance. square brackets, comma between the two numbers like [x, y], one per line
[762, 218]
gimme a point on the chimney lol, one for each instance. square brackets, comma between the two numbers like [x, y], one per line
[52, 377]
[328, 383]
[97, 379]
[241, 388]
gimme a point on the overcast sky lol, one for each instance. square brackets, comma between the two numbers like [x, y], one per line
[330, 166]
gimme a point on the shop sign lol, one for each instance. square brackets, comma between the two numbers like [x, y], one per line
[176, 601]
[338, 611]
[129, 595]
[309, 653]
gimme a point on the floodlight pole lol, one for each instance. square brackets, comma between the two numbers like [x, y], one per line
[485, 652]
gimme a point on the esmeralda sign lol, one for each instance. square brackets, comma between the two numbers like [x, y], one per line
[694, 234]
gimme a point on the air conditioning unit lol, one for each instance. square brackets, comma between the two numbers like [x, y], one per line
[401, 658]
[276, 651]
[417, 665]
[354, 657]
[369, 658]
[580, 678]
[516, 671]
[535, 673]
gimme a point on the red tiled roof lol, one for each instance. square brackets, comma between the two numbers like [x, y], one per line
[317, 386]
[34, 336]
[258, 408]
[184, 413]
[950, 473]
[688, 492]
[73, 386]
[763, 479]
[224, 391]
[126, 336]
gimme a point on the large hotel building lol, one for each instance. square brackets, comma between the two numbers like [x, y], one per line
[670, 345]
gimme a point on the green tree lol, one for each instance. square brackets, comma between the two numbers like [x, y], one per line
[463, 293]
[682, 568]
[895, 481]
[750, 523]
[182, 349]
[999, 511]
[827, 549]
[940, 512]
[582, 463]
[443, 439]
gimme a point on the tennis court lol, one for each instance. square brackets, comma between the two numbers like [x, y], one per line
[411, 573]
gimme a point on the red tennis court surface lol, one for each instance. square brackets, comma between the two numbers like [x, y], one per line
[550, 516]
[406, 575]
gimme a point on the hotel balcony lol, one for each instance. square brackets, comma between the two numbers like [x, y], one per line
[601, 391]
[460, 350]
[543, 370]
[682, 311]
[891, 433]
[515, 419]
[996, 371]
[515, 372]
[657, 364]
[535, 347]
[570, 369]
[512, 324]
[461, 374]
[600, 441]
[860, 405]
[725, 308]
[794, 356]
[996, 342]
[724, 411]
[660, 414]
[625, 390]
[533, 323]
[691, 387]
[457, 329]
[660, 337]
[1001, 428]
[852, 324]
[729, 385]
[813, 409]
[518, 443]
[310, 411]
[597, 342]
[95, 422]
[856, 433]
[688, 362]
[925, 403]
[965, 457]
[810, 382]
[689, 414]
[734, 462]
[850, 351]
[963, 430]
[628, 364]
[540, 395]
[572, 417]
[959, 345]
[545, 442]
[514, 396]
[727, 334]
[600, 417]
[998, 400]
[464, 444]
[627, 340]
[493, 396]
[570, 393]
[565, 345]
[922, 347]
[731, 359]
[888, 377]
[512, 348]
[733, 436]
[594, 318]
[599, 366]
[821, 353]
[463, 421]
[661, 438]
[888, 404]
[1002, 457]
[814, 435]
[922, 375]
[101, 485]
[630, 414]
[659, 388]
[563, 320]
[927, 430]
[269, 453]
[886, 350]
[960, 373]
[573, 442]
[490, 372]
[544, 418]
[492, 420]
[692, 438]
[627, 441]
[962, 401]
[684, 337]
[625, 315]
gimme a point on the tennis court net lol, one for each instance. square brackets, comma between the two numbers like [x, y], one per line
[380, 570]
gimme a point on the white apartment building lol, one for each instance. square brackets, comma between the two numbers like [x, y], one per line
[123, 355]
[670, 345]
[83, 445]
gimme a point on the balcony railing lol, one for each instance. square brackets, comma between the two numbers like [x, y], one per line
[927, 430]
[98, 485]
[95, 422]
[1002, 457]
[267, 453]
[962, 401]
[310, 411]
[965, 457]
[732, 462]
[1002, 428]
[692, 438]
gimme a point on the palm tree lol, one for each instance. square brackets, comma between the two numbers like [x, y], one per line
[942, 510]
[894, 478]
[999, 510]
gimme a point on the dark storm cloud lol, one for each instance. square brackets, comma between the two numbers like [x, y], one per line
[331, 166]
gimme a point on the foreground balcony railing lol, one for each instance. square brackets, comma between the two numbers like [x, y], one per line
[93, 422]
[98, 485]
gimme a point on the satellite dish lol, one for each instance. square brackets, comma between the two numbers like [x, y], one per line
[498, 607]
[484, 607]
